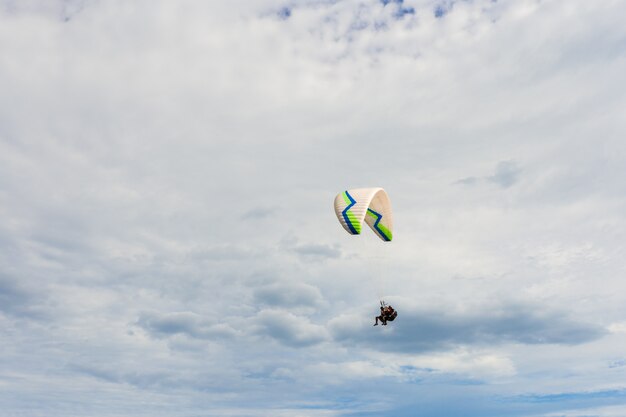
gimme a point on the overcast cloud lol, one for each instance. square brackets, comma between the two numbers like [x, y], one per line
[168, 245]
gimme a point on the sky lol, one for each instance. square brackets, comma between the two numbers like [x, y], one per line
[168, 245]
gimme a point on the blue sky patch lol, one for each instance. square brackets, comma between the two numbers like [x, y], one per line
[403, 11]
[284, 13]
[443, 9]
[573, 396]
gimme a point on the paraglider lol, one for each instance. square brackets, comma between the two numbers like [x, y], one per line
[387, 313]
[372, 206]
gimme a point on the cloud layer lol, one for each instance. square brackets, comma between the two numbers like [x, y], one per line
[168, 245]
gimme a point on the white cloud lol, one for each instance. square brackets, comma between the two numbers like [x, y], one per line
[608, 411]
[617, 327]
[167, 173]
[478, 365]
[289, 329]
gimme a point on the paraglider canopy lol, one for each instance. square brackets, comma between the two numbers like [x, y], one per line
[371, 205]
